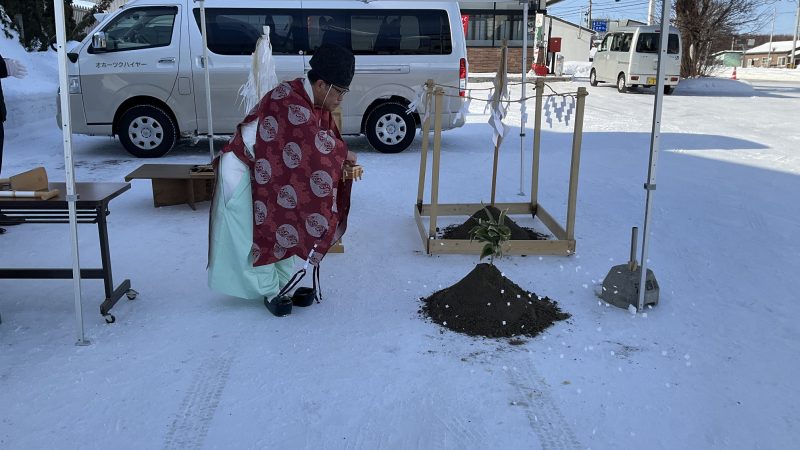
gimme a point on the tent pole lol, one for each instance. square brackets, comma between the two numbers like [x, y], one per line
[523, 113]
[655, 138]
[206, 65]
[66, 130]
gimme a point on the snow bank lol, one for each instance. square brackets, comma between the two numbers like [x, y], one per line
[33, 97]
[758, 73]
[578, 69]
[712, 86]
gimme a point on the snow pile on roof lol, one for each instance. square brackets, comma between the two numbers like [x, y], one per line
[777, 47]
[83, 4]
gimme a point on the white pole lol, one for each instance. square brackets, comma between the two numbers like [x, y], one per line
[771, 33]
[655, 138]
[651, 12]
[522, 107]
[206, 64]
[66, 130]
[794, 39]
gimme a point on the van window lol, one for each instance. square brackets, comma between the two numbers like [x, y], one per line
[328, 28]
[236, 31]
[384, 32]
[606, 44]
[649, 42]
[141, 28]
[624, 41]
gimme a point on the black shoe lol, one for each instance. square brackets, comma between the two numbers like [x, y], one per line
[279, 306]
[2, 231]
[304, 296]
[10, 221]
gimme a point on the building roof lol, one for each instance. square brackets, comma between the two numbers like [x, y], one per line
[777, 47]
[739, 52]
[83, 4]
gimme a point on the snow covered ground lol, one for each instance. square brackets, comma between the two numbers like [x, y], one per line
[714, 365]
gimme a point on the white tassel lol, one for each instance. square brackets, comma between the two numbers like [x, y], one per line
[419, 95]
[262, 77]
[463, 111]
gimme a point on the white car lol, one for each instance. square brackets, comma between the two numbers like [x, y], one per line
[628, 57]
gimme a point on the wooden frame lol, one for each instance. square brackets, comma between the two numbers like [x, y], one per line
[564, 242]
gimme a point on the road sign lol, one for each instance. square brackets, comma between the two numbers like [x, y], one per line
[601, 26]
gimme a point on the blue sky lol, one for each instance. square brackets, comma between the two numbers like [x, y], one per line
[637, 9]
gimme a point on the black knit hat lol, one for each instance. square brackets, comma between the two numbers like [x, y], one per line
[334, 65]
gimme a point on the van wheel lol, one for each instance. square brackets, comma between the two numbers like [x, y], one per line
[389, 128]
[621, 86]
[668, 90]
[593, 78]
[147, 131]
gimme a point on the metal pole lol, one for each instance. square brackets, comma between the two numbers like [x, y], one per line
[771, 33]
[795, 36]
[655, 138]
[66, 131]
[522, 108]
[207, 76]
[651, 12]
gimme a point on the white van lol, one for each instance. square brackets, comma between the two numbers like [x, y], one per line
[628, 56]
[140, 75]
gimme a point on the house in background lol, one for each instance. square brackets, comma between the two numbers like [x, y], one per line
[727, 58]
[775, 54]
[488, 24]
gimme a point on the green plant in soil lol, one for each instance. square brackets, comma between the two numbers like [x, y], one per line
[493, 233]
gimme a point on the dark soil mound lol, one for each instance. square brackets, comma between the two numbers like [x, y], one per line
[485, 303]
[517, 232]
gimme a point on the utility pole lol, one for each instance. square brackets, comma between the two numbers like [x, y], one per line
[651, 12]
[794, 39]
[589, 17]
[771, 33]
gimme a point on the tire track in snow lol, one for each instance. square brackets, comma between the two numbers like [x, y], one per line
[544, 416]
[381, 418]
[191, 423]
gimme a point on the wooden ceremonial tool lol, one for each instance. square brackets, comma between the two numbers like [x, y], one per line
[352, 172]
[41, 195]
[201, 171]
[32, 180]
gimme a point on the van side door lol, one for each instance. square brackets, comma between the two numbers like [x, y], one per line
[602, 60]
[232, 34]
[141, 58]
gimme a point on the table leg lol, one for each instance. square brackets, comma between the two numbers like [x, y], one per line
[105, 253]
[190, 194]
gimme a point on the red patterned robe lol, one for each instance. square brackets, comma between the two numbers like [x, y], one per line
[299, 197]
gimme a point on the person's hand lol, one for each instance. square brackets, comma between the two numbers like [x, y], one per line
[15, 68]
[351, 157]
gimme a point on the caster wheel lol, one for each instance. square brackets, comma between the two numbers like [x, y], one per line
[131, 294]
[110, 318]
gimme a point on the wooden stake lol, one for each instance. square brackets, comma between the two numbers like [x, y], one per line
[437, 152]
[426, 129]
[577, 137]
[537, 144]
